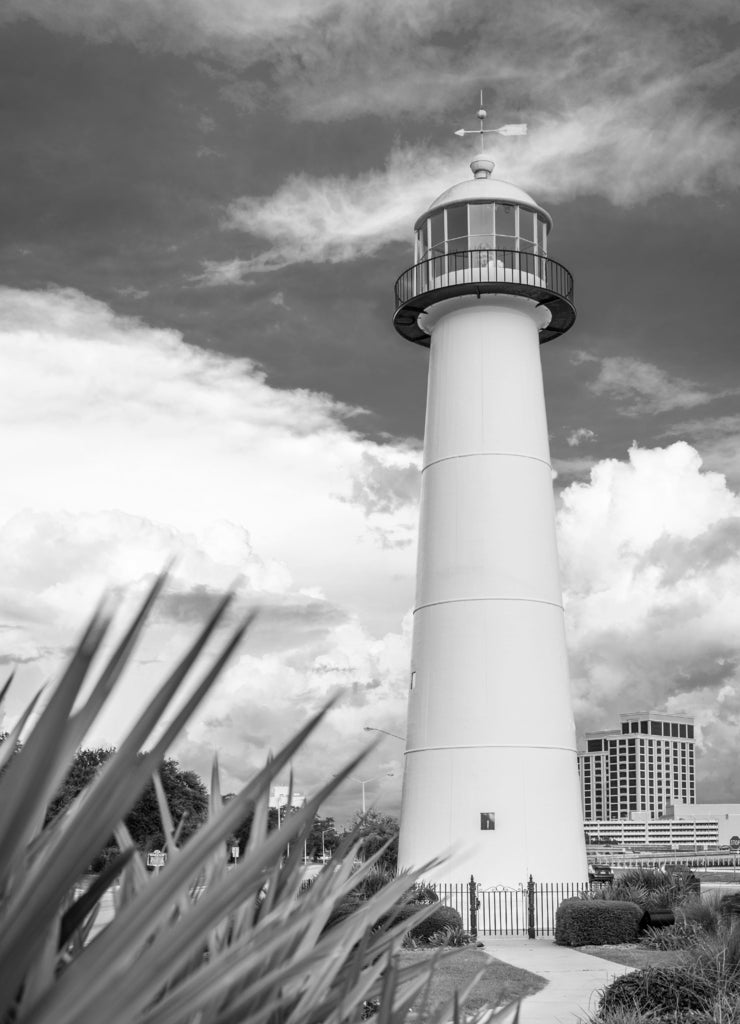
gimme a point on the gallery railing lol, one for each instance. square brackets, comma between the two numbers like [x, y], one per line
[485, 267]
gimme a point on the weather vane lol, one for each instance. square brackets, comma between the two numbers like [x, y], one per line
[507, 129]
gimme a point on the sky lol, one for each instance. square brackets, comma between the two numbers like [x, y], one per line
[204, 205]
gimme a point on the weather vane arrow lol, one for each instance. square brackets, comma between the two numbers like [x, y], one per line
[506, 129]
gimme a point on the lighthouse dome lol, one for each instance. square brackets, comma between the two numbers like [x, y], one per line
[484, 188]
[487, 190]
[484, 214]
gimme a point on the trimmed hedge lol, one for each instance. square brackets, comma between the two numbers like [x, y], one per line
[442, 917]
[657, 990]
[597, 922]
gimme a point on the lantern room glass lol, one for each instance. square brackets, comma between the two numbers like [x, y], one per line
[487, 225]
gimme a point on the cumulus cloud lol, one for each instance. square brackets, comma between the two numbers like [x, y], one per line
[651, 575]
[718, 438]
[131, 447]
[579, 435]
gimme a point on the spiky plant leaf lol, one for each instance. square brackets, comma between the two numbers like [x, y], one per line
[197, 943]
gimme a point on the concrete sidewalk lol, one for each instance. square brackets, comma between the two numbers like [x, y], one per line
[574, 979]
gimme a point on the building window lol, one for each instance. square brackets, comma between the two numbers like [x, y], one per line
[487, 821]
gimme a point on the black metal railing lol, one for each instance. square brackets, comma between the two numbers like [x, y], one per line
[484, 267]
[504, 910]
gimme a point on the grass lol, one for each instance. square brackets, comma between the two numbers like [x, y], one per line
[729, 877]
[634, 955]
[499, 983]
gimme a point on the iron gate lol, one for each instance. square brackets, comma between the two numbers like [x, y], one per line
[501, 910]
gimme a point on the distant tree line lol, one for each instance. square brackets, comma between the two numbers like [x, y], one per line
[187, 799]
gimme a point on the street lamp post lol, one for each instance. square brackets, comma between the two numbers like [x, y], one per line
[364, 782]
[323, 848]
[373, 728]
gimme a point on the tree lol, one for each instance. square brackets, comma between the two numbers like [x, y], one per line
[323, 838]
[84, 768]
[314, 846]
[186, 795]
[187, 799]
[376, 830]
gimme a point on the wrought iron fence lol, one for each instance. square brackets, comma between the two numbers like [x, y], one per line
[502, 910]
[484, 266]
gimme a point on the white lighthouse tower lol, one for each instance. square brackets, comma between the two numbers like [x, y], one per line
[491, 777]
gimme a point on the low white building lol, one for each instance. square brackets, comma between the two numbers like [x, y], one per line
[727, 817]
[700, 831]
[279, 796]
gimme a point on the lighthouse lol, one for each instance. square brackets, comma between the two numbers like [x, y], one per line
[490, 774]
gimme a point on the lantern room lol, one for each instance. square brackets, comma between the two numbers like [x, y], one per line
[483, 236]
[482, 214]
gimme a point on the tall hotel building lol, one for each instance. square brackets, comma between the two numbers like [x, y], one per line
[640, 770]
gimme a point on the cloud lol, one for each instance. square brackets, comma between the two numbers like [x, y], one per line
[217, 273]
[338, 218]
[643, 388]
[599, 148]
[651, 579]
[578, 436]
[636, 111]
[132, 446]
[718, 438]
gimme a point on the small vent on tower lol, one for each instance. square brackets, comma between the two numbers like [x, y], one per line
[487, 821]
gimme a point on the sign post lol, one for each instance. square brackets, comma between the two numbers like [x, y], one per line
[156, 859]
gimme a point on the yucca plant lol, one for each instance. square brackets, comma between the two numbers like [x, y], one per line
[197, 942]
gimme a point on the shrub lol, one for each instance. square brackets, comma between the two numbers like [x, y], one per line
[450, 937]
[651, 888]
[422, 892]
[703, 915]
[716, 957]
[681, 935]
[729, 906]
[373, 881]
[198, 940]
[437, 918]
[659, 991]
[596, 922]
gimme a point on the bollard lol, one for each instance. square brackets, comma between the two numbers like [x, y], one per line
[473, 907]
[530, 909]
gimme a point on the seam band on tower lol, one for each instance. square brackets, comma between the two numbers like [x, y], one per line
[473, 455]
[460, 600]
[493, 746]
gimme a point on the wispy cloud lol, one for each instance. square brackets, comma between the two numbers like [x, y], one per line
[641, 388]
[216, 273]
[339, 218]
[624, 101]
